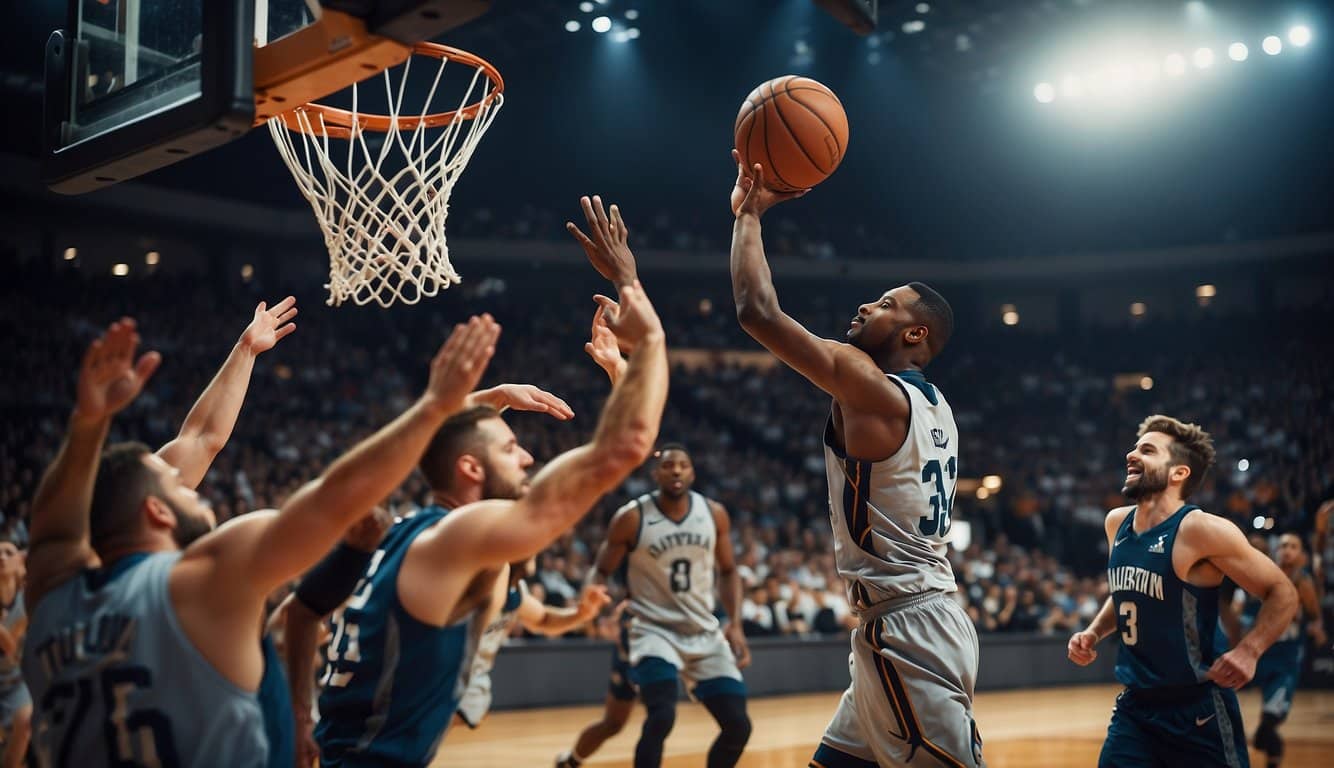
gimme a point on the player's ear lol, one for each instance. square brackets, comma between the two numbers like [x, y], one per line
[1179, 473]
[158, 513]
[917, 334]
[470, 468]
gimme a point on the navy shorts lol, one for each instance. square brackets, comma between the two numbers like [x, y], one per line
[1276, 675]
[1198, 727]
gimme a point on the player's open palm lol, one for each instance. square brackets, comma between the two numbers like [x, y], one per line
[523, 397]
[462, 360]
[608, 244]
[269, 325]
[602, 347]
[749, 193]
[1080, 648]
[632, 319]
[110, 377]
[592, 600]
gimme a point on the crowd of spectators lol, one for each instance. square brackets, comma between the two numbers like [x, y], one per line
[1045, 412]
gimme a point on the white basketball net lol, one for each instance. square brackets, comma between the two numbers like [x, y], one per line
[382, 205]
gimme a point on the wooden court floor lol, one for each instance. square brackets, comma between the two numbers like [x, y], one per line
[1041, 728]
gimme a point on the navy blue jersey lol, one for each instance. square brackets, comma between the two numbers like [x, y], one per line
[275, 701]
[391, 682]
[1168, 629]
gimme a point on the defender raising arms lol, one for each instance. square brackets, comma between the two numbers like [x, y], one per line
[404, 641]
[891, 456]
[1166, 561]
[146, 660]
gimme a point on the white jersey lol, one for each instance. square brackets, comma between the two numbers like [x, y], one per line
[476, 701]
[669, 572]
[891, 518]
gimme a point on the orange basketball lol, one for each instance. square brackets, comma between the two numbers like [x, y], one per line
[796, 128]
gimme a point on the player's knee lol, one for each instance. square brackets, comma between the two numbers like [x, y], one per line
[735, 725]
[660, 707]
[22, 722]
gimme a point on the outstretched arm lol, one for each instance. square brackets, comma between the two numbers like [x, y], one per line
[846, 373]
[109, 379]
[493, 533]
[551, 621]
[258, 552]
[622, 532]
[209, 424]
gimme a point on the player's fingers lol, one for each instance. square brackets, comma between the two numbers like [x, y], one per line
[283, 305]
[618, 227]
[261, 307]
[603, 224]
[92, 357]
[607, 307]
[286, 315]
[578, 234]
[450, 346]
[285, 331]
[147, 365]
[559, 407]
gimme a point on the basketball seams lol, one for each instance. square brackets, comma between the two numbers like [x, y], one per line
[818, 116]
[778, 110]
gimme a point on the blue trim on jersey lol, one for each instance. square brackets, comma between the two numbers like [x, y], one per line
[719, 686]
[96, 578]
[513, 599]
[918, 380]
[275, 701]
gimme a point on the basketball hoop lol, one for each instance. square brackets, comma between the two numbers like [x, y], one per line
[382, 208]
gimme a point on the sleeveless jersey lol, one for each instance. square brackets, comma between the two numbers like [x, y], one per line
[10, 674]
[1168, 628]
[891, 518]
[476, 700]
[669, 573]
[391, 683]
[115, 681]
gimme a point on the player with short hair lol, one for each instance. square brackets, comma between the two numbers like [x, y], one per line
[891, 458]
[1167, 559]
[133, 653]
[403, 642]
[670, 542]
[1279, 670]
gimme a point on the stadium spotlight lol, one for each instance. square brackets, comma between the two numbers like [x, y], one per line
[923, 8]
[913, 27]
[1206, 291]
[120, 269]
[1138, 309]
[1269, 523]
[1258, 523]
[620, 36]
[1203, 57]
[1044, 93]
[571, 26]
[1299, 35]
[631, 14]
[1174, 64]
[1244, 465]
[586, 7]
[992, 483]
[152, 258]
[601, 24]
[71, 254]
[247, 272]
[1272, 45]
[1146, 383]
[1238, 52]
[1010, 318]
[983, 493]
[632, 33]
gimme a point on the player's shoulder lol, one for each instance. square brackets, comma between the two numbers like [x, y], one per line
[238, 531]
[1116, 515]
[1198, 525]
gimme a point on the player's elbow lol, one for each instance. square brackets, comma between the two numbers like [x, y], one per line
[753, 313]
[622, 453]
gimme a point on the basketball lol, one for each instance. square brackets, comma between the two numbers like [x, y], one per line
[796, 128]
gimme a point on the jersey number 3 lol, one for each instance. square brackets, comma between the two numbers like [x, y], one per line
[942, 499]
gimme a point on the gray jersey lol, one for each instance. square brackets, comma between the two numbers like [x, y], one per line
[117, 682]
[476, 701]
[891, 518]
[669, 572]
[9, 665]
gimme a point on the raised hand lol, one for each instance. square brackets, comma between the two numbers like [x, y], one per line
[631, 320]
[750, 195]
[522, 397]
[269, 325]
[109, 377]
[604, 350]
[1080, 648]
[460, 363]
[608, 248]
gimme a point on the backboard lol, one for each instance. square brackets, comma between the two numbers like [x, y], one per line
[135, 85]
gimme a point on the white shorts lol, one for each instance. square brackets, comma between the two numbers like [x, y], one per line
[695, 658]
[911, 697]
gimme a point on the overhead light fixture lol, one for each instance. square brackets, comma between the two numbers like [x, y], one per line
[601, 24]
[71, 254]
[1299, 35]
[120, 269]
[1044, 93]
[572, 26]
[1238, 52]
[1272, 45]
